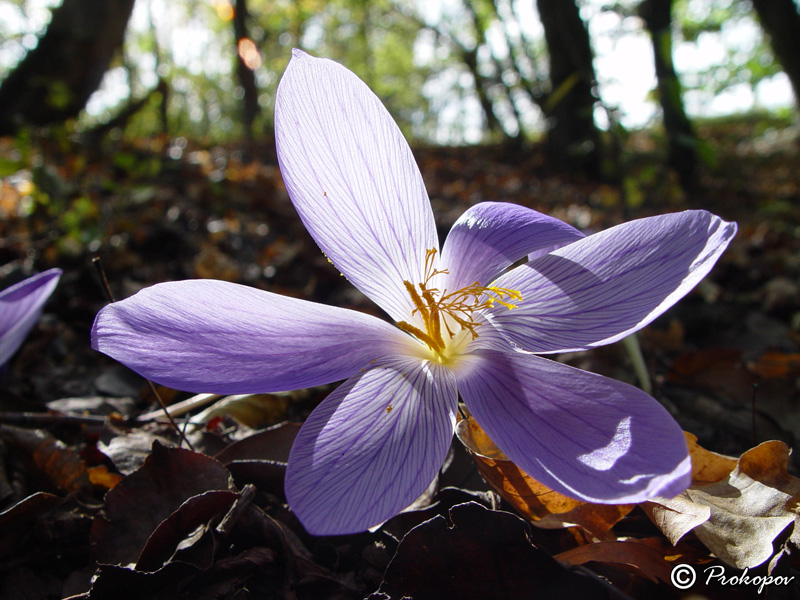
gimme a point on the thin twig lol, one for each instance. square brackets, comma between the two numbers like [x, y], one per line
[753, 413]
[182, 407]
[98, 265]
[31, 418]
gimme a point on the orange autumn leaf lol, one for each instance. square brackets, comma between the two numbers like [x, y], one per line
[60, 465]
[101, 477]
[650, 561]
[776, 364]
[543, 506]
[653, 557]
[707, 466]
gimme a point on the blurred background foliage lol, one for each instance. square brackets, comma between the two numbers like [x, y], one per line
[148, 85]
[450, 71]
[112, 98]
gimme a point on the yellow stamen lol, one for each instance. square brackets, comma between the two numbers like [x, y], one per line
[418, 333]
[416, 299]
[437, 308]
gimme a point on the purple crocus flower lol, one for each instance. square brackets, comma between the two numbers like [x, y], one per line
[20, 307]
[467, 324]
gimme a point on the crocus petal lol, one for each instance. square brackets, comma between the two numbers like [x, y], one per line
[372, 446]
[579, 433]
[605, 286]
[353, 179]
[20, 308]
[219, 337]
[490, 236]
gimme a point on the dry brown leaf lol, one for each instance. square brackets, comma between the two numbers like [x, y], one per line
[671, 339]
[648, 559]
[545, 507]
[17, 519]
[62, 467]
[473, 553]
[100, 476]
[253, 410]
[707, 466]
[136, 507]
[776, 364]
[718, 370]
[677, 516]
[212, 263]
[745, 511]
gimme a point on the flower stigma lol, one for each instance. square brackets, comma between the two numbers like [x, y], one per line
[449, 317]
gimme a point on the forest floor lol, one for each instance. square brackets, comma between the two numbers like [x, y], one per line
[725, 361]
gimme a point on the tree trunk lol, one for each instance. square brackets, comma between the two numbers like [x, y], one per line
[481, 27]
[364, 27]
[245, 75]
[781, 20]
[55, 80]
[516, 48]
[681, 138]
[572, 138]
[470, 58]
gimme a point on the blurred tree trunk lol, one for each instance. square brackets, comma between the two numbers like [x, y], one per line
[469, 56]
[572, 137]
[657, 15]
[781, 20]
[55, 80]
[482, 85]
[481, 27]
[297, 23]
[364, 27]
[517, 49]
[245, 74]
[163, 83]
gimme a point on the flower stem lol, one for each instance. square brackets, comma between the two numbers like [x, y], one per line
[635, 352]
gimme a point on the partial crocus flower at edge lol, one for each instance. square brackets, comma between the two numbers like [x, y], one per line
[20, 308]
[466, 324]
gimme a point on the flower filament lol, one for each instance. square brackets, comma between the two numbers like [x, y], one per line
[449, 313]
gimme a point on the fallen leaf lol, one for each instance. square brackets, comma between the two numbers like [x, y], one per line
[720, 371]
[144, 499]
[61, 466]
[545, 507]
[16, 520]
[120, 583]
[477, 553]
[776, 364]
[738, 517]
[101, 477]
[677, 516]
[128, 449]
[707, 466]
[253, 410]
[273, 444]
[213, 263]
[649, 560]
[398, 526]
[671, 339]
[196, 512]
